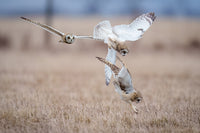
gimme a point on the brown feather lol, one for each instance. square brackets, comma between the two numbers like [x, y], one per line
[43, 25]
[113, 67]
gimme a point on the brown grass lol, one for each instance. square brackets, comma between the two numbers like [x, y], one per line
[66, 92]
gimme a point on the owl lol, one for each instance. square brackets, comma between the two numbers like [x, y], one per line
[123, 83]
[114, 37]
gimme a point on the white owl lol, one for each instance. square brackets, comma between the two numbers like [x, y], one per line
[114, 37]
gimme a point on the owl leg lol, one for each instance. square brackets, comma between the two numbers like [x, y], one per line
[134, 108]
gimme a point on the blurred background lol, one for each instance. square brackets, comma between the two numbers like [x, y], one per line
[47, 86]
[100, 7]
[177, 26]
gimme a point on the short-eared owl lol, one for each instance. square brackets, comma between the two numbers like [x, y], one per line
[123, 83]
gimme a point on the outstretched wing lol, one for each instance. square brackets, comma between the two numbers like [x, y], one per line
[45, 27]
[136, 29]
[83, 37]
[113, 67]
[125, 80]
[102, 30]
[111, 57]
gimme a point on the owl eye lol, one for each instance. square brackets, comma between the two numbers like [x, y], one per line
[124, 52]
[138, 100]
[68, 37]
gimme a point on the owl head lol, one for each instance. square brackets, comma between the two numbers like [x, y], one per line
[119, 46]
[135, 97]
[122, 49]
[69, 38]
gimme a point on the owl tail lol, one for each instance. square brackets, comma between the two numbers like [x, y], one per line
[113, 67]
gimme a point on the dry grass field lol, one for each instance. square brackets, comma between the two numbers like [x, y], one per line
[63, 89]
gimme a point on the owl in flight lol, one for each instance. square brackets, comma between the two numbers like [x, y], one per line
[114, 37]
[123, 83]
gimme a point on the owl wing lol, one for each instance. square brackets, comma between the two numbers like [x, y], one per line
[111, 57]
[83, 37]
[45, 27]
[102, 31]
[136, 29]
[125, 80]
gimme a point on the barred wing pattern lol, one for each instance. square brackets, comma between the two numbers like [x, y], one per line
[136, 29]
[45, 27]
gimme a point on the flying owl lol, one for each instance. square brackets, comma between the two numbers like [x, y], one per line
[114, 37]
[123, 83]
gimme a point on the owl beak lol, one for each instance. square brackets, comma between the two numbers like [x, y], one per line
[134, 108]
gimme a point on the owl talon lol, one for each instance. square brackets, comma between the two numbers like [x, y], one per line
[134, 108]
